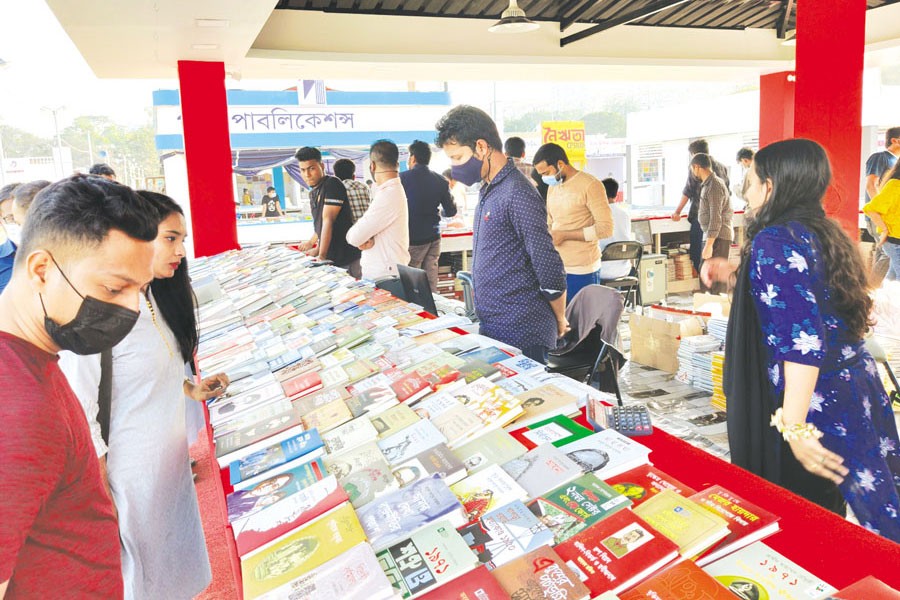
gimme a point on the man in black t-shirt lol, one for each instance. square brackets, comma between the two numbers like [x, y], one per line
[331, 213]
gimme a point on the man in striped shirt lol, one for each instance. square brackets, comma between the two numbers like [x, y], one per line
[357, 192]
[715, 213]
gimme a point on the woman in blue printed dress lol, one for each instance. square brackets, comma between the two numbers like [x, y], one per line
[806, 408]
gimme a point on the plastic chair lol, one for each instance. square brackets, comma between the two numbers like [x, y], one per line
[629, 285]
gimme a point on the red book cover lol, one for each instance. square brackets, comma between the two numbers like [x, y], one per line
[409, 386]
[617, 552]
[478, 584]
[644, 482]
[868, 588]
[302, 385]
[684, 581]
[287, 514]
[747, 522]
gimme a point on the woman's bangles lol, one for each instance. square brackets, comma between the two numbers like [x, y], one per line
[796, 431]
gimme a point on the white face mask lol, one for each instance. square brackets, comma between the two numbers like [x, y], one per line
[13, 232]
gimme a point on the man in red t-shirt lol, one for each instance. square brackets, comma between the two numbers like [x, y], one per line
[86, 253]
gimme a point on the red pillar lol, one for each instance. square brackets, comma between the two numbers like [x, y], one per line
[776, 107]
[828, 104]
[207, 149]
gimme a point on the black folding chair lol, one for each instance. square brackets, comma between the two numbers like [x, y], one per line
[629, 285]
[592, 360]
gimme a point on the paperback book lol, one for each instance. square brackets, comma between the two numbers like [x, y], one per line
[540, 574]
[438, 460]
[303, 447]
[505, 533]
[487, 490]
[558, 430]
[692, 527]
[644, 482]
[542, 469]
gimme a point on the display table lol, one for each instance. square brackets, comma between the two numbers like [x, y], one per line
[458, 240]
[828, 546]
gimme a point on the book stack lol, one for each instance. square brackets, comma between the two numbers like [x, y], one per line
[718, 368]
[695, 360]
[717, 327]
[368, 452]
[446, 283]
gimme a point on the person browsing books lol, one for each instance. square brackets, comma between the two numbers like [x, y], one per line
[331, 211]
[884, 211]
[579, 216]
[382, 233]
[148, 467]
[86, 253]
[520, 282]
[796, 357]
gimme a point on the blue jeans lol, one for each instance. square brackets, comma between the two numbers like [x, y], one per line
[537, 353]
[893, 252]
[574, 283]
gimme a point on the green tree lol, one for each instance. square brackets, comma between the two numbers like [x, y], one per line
[18, 143]
[610, 124]
[130, 151]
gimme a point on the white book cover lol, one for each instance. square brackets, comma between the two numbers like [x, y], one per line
[350, 435]
[607, 453]
[487, 490]
[410, 441]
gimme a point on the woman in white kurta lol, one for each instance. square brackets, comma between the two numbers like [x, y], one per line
[147, 462]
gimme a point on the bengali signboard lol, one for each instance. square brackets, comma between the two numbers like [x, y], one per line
[569, 135]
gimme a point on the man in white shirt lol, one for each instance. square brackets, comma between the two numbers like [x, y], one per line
[612, 269]
[382, 233]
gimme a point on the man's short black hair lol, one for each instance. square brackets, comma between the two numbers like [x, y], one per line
[448, 174]
[102, 169]
[551, 154]
[700, 146]
[744, 153]
[385, 153]
[270, 189]
[891, 133]
[78, 212]
[612, 187]
[307, 153]
[514, 146]
[421, 151]
[26, 192]
[464, 125]
[701, 160]
[6, 192]
[344, 169]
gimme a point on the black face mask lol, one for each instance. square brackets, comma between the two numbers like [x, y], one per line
[96, 327]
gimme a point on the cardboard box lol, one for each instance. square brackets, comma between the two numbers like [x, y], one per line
[655, 341]
[706, 302]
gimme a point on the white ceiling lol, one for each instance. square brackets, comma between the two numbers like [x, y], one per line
[148, 39]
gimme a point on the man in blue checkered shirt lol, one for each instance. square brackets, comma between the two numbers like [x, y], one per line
[519, 279]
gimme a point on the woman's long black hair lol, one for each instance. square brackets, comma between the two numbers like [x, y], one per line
[800, 174]
[174, 296]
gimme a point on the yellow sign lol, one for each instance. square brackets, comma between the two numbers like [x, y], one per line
[569, 135]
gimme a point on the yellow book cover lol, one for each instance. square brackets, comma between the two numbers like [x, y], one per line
[301, 551]
[497, 407]
[683, 521]
[325, 418]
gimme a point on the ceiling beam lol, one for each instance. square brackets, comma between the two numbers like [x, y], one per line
[649, 9]
[785, 17]
[575, 8]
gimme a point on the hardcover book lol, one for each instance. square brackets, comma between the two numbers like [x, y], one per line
[577, 505]
[350, 435]
[487, 490]
[438, 460]
[310, 403]
[363, 472]
[306, 446]
[396, 515]
[492, 448]
[644, 482]
[411, 387]
[607, 453]
[354, 575]
[412, 440]
[542, 469]
[683, 521]
[540, 574]
[617, 552]
[558, 430]
[427, 559]
[505, 533]
[300, 551]
[757, 571]
[683, 580]
[747, 523]
[477, 584]
[247, 440]
[394, 419]
[301, 385]
[373, 400]
[283, 514]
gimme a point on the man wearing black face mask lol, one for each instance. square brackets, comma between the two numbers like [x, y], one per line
[520, 282]
[86, 253]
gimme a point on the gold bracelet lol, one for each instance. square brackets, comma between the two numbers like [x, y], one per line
[796, 431]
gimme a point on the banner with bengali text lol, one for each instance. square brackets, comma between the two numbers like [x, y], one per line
[569, 135]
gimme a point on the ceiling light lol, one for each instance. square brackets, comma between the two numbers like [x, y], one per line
[211, 22]
[205, 46]
[513, 20]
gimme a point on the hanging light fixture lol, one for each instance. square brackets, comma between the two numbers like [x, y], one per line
[513, 20]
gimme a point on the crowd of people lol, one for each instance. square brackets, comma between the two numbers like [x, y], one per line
[98, 333]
